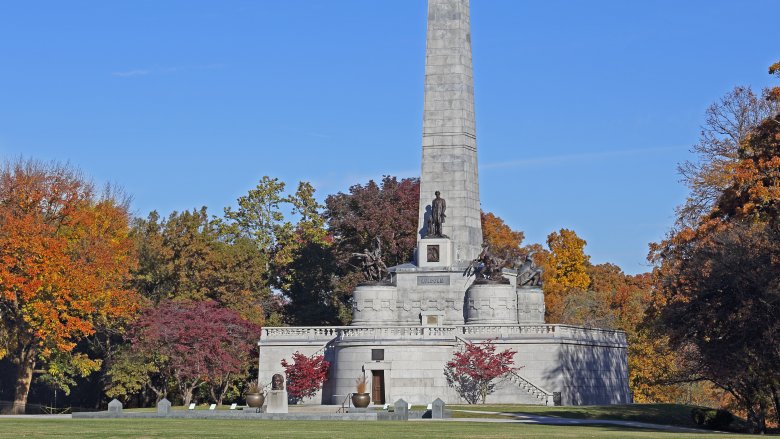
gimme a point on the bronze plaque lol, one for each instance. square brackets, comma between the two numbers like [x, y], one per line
[433, 280]
[433, 253]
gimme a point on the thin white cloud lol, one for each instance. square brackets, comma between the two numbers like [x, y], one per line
[129, 73]
[164, 70]
[558, 159]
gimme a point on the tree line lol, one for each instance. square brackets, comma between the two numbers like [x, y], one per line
[100, 303]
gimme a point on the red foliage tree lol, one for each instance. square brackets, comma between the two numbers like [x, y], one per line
[387, 210]
[473, 371]
[200, 341]
[305, 375]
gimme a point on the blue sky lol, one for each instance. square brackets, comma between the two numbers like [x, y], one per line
[584, 109]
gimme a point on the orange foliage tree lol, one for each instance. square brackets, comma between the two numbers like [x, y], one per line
[503, 241]
[717, 278]
[64, 258]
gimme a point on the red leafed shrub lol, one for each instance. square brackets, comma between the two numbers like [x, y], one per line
[472, 371]
[200, 342]
[305, 375]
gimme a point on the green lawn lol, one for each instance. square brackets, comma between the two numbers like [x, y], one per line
[178, 428]
[666, 414]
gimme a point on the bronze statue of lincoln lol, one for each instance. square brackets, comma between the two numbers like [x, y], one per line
[435, 222]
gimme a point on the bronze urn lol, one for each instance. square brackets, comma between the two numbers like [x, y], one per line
[255, 400]
[361, 400]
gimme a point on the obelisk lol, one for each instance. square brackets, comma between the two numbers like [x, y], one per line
[449, 144]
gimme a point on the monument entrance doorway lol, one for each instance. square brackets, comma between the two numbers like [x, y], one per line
[378, 386]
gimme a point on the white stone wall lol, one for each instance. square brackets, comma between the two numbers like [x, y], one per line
[588, 366]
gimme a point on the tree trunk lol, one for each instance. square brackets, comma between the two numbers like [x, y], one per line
[24, 372]
[776, 400]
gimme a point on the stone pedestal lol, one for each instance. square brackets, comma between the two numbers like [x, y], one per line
[491, 304]
[530, 305]
[276, 402]
[434, 253]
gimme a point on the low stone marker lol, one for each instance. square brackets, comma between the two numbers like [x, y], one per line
[115, 407]
[437, 409]
[164, 407]
[402, 409]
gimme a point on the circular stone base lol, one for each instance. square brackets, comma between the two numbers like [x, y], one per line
[372, 305]
[491, 304]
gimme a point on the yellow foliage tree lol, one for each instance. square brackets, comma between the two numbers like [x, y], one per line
[565, 271]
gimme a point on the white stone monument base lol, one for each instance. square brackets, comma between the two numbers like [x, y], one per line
[434, 253]
[530, 305]
[276, 402]
[373, 305]
[491, 304]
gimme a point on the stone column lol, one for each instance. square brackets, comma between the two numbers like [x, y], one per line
[449, 159]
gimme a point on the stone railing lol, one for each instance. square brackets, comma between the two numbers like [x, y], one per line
[544, 396]
[398, 332]
[504, 332]
[303, 333]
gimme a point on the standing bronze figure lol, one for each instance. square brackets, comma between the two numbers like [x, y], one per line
[436, 220]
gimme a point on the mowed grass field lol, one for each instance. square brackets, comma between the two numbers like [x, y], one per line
[664, 414]
[201, 428]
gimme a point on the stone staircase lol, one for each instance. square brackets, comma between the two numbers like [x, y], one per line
[538, 395]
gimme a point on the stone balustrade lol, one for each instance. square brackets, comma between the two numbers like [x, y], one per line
[308, 333]
[503, 332]
[399, 332]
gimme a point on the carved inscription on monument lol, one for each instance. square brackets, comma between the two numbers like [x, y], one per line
[433, 280]
[433, 253]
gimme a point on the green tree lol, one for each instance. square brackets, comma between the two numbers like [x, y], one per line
[190, 256]
[289, 230]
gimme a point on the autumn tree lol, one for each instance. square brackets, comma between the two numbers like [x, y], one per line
[474, 370]
[305, 375]
[65, 252]
[727, 124]
[565, 272]
[190, 256]
[387, 210]
[194, 344]
[725, 289]
[717, 278]
[503, 241]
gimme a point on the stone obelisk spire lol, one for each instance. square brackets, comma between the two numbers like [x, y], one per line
[449, 162]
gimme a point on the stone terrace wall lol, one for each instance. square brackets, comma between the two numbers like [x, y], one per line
[588, 366]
